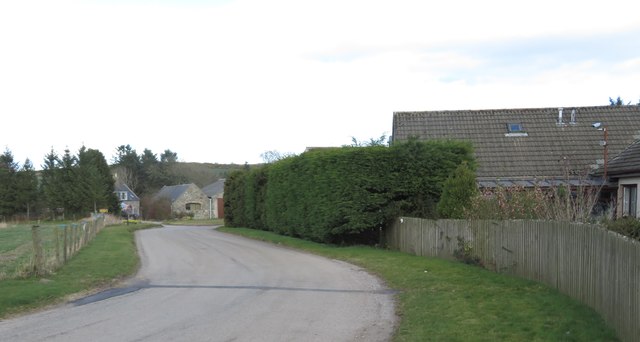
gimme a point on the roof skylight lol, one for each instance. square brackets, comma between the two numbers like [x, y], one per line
[515, 128]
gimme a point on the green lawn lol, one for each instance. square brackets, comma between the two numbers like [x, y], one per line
[108, 258]
[448, 301]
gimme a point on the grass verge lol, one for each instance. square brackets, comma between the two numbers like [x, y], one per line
[441, 300]
[192, 222]
[110, 257]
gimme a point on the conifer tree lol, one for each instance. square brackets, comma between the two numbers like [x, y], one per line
[51, 187]
[8, 169]
[95, 181]
[457, 192]
[27, 189]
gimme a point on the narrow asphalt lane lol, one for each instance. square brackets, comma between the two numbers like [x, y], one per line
[197, 284]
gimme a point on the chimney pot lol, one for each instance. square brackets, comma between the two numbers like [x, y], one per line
[560, 115]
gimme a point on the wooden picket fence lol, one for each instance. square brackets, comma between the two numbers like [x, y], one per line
[54, 245]
[597, 267]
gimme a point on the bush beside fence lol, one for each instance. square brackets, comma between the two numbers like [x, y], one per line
[597, 267]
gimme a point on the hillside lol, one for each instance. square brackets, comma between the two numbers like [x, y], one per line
[203, 174]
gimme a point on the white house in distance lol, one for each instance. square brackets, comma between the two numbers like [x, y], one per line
[129, 201]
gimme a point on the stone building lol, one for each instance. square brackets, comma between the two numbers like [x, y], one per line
[186, 200]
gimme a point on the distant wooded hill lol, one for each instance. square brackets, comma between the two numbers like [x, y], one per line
[203, 174]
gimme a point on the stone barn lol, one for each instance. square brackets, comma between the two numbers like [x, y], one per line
[186, 200]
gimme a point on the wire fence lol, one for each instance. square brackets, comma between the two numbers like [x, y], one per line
[39, 249]
[54, 245]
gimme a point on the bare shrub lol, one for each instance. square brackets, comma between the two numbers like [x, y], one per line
[556, 202]
[155, 208]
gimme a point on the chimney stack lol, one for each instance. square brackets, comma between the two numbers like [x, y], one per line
[560, 115]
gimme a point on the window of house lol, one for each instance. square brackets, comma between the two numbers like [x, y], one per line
[192, 206]
[630, 200]
[123, 195]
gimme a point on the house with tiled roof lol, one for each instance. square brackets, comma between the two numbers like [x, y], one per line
[215, 192]
[527, 146]
[624, 169]
[539, 146]
[186, 199]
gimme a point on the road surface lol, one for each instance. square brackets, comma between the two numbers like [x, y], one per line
[197, 284]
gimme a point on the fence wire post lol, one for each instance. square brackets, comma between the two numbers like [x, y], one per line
[65, 252]
[85, 234]
[56, 235]
[38, 262]
[74, 238]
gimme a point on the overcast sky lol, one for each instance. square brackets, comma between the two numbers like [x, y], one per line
[224, 81]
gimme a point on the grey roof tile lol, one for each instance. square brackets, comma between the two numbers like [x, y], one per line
[628, 161]
[214, 188]
[172, 192]
[121, 187]
[548, 151]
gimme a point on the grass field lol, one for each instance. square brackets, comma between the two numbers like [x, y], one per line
[16, 248]
[448, 301]
[106, 259]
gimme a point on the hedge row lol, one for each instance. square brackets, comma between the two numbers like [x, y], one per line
[343, 195]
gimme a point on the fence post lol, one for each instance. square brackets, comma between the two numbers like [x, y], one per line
[65, 250]
[85, 234]
[38, 262]
[56, 236]
[78, 236]
[74, 238]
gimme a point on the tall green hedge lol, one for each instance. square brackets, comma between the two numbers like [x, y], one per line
[234, 199]
[255, 186]
[343, 195]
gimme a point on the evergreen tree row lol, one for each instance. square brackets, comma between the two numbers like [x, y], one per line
[18, 187]
[145, 173]
[344, 195]
[68, 185]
